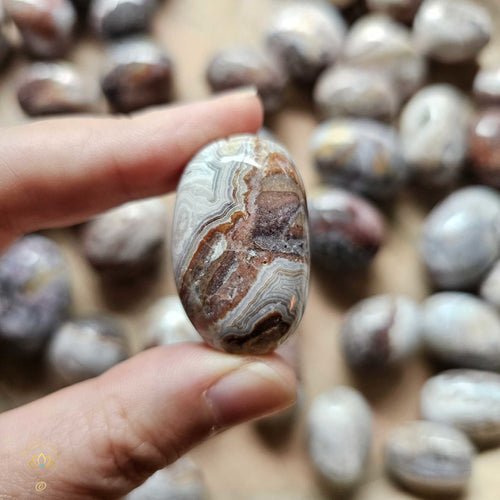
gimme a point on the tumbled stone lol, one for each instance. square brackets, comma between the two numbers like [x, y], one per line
[241, 244]
[429, 458]
[127, 241]
[116, 18]
[360, 155]
[381, 331]
[462, 331]
[452, 31]
[306, 38]
[140, 75]
[35, 294]
[241, 66]
[461, 237]
[167, 323]
[490, 287]
[486, 86]
[358, 92]
[340, 435]
[86, 347]
[182, 480]
[484, 140]
[433, 128]
[466, 399]
[378, 42]
[55, 88]
[346, 231]
[46, 26]
[404, 10]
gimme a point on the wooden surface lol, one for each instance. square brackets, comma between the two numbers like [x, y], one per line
[238, 464]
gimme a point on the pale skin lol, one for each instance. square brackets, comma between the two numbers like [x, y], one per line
[114, 431]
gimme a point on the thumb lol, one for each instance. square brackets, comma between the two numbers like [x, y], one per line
[114, 431]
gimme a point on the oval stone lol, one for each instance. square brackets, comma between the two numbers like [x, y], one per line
[381, 331]
[361, 155]
[461, 237]
[485, 147]
[429, 458]
[346, 230]
[433, 128]
[340, 434]
[466, 399]
[378, 42]
[461, 330]
[241, 244]
[490, 287]
[486, 86]
[452, 31]
[359, 92]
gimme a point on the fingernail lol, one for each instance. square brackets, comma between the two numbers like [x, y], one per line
[240, 92]
[254, 390]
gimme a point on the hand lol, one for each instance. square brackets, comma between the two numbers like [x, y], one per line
[114, 431]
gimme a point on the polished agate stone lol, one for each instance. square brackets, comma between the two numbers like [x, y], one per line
[466, 399]
[429, 458]
[452, 31]
[461, 331]
[46, 26]
[346, 231]
[484, 140]
[86, 347]
[241, 244]
[404, 10]
[116, 18]
[140, 75]
[55, 88]
[360, 155]
[340, 426]
[460, 239]
[128, 241]
[306, 38]
[167, 323]
[381, 331]
[183, 480]
[490, 287]
[358, 92]
[242, 66]
[433, 128]
[35, 294]
[486, 86]
[378, 42]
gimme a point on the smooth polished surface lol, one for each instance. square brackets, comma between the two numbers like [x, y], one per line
[240, 244]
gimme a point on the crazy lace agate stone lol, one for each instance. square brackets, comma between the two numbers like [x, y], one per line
[139, 75]
[486, 85]
[35, 294]
[241, 244]
[452, 31]
[484, 140]
[116, 18]
[429, 458]
[46, 26]
[361, 155]
[55, 88]
[307, 37]
[378, 42]
[242, 66]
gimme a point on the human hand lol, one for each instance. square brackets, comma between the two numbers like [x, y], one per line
[114, 431]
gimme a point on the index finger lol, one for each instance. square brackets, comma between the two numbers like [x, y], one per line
[62, 171]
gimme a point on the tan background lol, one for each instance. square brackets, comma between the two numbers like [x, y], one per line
[238, 464]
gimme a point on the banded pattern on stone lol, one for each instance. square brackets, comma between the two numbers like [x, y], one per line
[241, 244]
